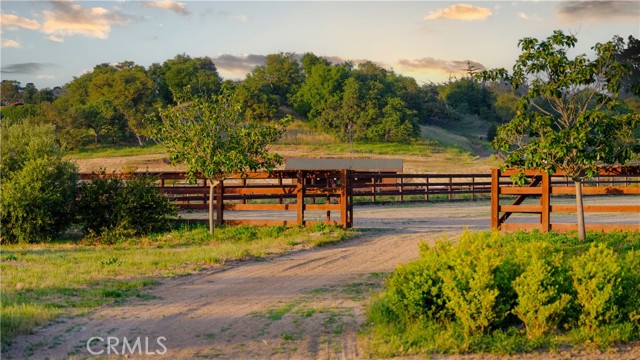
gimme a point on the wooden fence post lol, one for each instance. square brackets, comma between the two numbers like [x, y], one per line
[220, 203]
[426, 195]
[545, 202]
[343, 198]
[373, 195]
[473, 188]
[350, 198]
[495, 198]
[300, 199]
[280, 184]
[244, 185]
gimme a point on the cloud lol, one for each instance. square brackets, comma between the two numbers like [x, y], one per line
[460, 12]
[240, 18]
[8, 43]
[176, 7]
[25, 68]
[433, 64]
[238, 65]
[68, 18]
[55, 39]
[13, 21]
[526, 17]
[598, 10]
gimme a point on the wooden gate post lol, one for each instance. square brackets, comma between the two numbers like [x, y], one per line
[495, 198]
[545, 202]
[220, 203]
[344, 179]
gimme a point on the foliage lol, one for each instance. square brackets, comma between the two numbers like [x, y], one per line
[414, 290]
[542, 298]
[475, 295]
[112, 208]
[212, 140]
[198, 75]
[596, 278]
[37, 200]
[566, 121]
[22, 143]
[10, 91]
[468, 96]
[38, 186]
[471, 284]
[629, 55]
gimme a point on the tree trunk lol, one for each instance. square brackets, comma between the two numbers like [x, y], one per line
[140, 142]
[580, 210]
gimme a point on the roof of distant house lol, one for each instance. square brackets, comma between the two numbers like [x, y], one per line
[381, 165]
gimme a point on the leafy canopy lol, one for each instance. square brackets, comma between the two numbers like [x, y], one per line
[211, 138]
[568, 119]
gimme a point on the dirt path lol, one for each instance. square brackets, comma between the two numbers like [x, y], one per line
[303, 305]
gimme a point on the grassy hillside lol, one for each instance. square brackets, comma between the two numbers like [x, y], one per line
[438, 150]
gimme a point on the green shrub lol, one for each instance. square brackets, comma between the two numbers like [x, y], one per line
[470, 283]
[475, 295]
[541, 302]
[38, 187]
[37, 200]
[414, 290]
[629, 301]
[23, 142]
[596, 279]
[111, 208]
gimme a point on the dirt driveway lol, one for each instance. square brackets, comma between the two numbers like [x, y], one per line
[303, 305]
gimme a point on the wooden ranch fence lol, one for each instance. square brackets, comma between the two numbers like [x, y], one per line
[283, 191]
[381, 187]
[613, 181]
[304, 191]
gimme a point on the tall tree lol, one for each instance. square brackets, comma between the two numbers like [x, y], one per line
[630, 55]
[567, 120]
[10, 91]
[198, 74]
[209, 136]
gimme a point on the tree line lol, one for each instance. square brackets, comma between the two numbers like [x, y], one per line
[121, 103]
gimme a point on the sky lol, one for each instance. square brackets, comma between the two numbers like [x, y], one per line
[48, 43]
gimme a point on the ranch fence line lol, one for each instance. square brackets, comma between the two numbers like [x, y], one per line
[609, 181]
[334, 193]
[299, 191]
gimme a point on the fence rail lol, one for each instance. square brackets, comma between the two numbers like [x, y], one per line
[284, 191]
[612, 181]
[336, 191]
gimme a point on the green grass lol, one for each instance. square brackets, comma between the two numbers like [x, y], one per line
[445, 137]
[417, 148]
[100, 151]
[43, 281]
[301, 133]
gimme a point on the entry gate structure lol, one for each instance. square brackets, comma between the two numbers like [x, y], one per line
[300, 191]
[609, 181]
